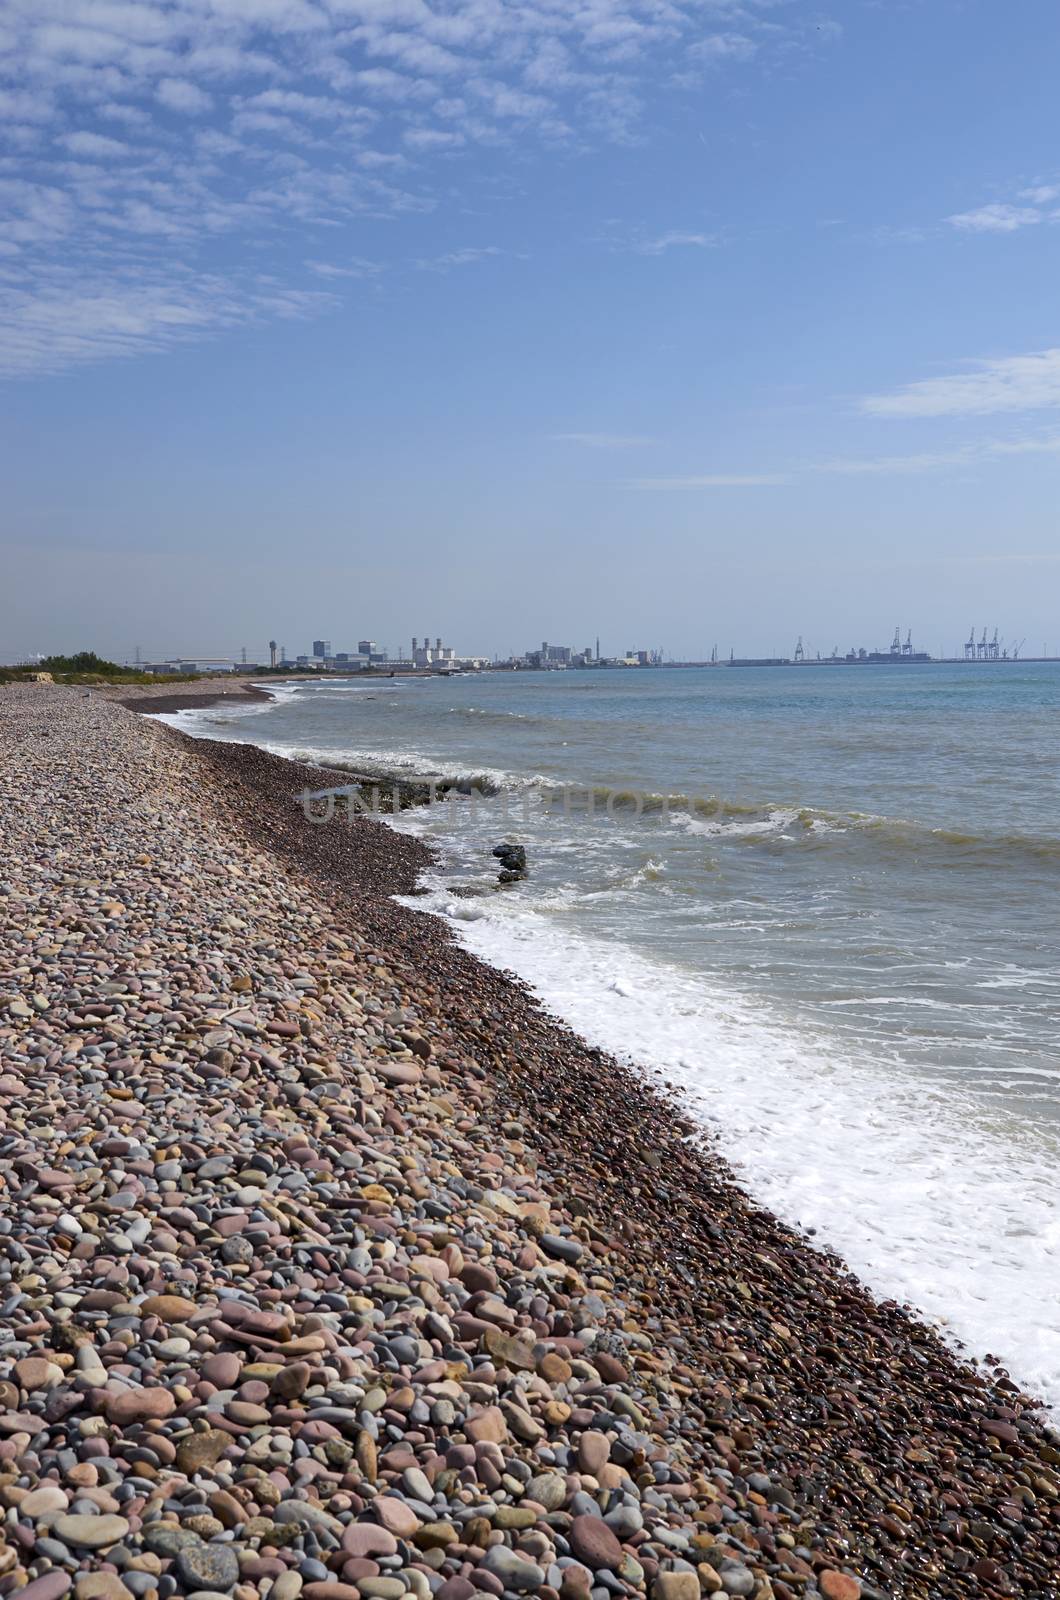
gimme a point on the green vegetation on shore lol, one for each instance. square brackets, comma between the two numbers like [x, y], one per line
[87, 667]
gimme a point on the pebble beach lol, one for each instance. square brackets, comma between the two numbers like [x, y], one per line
[332, 1266]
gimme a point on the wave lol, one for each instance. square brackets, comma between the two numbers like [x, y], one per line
[777, 822]
[345, 686]
[484, 714]
[712, 817]
[280, 692]
[909, 1182]
[402, 766]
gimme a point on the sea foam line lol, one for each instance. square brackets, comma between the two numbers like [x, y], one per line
[928, 1205]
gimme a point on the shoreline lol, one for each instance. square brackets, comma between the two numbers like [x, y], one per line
[153, 699]
[572, 1130]
[809, 1440]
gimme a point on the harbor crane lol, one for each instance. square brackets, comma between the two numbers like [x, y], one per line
[969, 648]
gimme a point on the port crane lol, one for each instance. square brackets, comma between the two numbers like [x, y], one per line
[969, 648]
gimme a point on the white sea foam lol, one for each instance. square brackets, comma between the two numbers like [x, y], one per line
[279, 692]
[920, 1190]
[405, 763]
[776, 822]
[344, 686]
[211, 722]
[934, 1196]
[208, 722]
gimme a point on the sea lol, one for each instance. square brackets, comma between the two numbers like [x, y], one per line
[822, 902]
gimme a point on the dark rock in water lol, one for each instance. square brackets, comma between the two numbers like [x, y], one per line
[512, 855]
[512, 858]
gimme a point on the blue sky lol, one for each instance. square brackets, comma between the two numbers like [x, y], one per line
[679, 321]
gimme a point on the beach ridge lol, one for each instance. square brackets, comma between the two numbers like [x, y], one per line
[336, 1265]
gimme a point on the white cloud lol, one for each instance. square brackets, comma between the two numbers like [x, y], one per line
[603, 441]
[67, 319]
[712, 480]
[1006, 217]
[177, 94]
[934, 460]
[23, 106]
[374, 160]
[131, 116]
[963, 456]
[675, 240]
[390, 85]
[433, 139]
[35, 214]
[281, 93]
[96, 146]
[293, 103]
[458, 258]
[717, 47]
[995, 219]
[356, 267]
[1012, 383]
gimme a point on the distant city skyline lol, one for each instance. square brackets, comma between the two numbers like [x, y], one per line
[978, 645]
[718, 321]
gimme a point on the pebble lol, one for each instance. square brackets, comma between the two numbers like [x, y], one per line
[330, 1268]
[49, 1497]
[513, 1570]
[52, 1586]
[207, 1566]
[90, 1532]
[101, 1586]
[593, 1542]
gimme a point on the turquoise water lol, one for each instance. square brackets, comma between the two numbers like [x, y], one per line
[822, 901]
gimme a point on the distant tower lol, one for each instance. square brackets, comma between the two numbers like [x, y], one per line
[272, 652]
[438, 644]
[415, 645]
[243, 654]
[597, 647]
